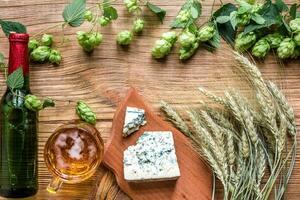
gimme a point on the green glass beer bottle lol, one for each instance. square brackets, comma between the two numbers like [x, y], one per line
[18, 129]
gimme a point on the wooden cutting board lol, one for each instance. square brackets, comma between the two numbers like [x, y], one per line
[195, 180]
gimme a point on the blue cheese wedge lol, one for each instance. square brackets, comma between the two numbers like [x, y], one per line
[134, 118]
[153, 158]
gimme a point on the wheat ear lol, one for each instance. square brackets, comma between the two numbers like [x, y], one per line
[212, 96]
[175, 118]
[285, 107]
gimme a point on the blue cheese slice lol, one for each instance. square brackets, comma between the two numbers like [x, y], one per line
[152, 158]
[134, 118]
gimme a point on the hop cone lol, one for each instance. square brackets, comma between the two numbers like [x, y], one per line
[286, 48]
[161, 48]
[187, 39]
[170, 37]
[184, 16]
[32, 45]
[243, 19]
[85, 112]
[131, 5]
[40, 54]
[244, 41]
[88, 15]
[274, 39]
[103, 21]
[186, 53]
[295, 25]
[206, 33]
[55, 57]
[33, 103]
[47, 40]
[88, 41]
[297, 39]
[261, 48]
[138, 25]
[124, 38]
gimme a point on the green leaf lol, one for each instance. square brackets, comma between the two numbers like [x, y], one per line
[196, 9]
[225, 30]
[48, 102]
[223, 19]
[293, 11]
[15, 80]
[110, 12]
[258, 19]
[281, 6]
[160, 13]
[271, 15]
[73, 13]
[215, 41]
[9, 26]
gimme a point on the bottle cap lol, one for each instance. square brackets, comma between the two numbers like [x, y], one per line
[18, 37]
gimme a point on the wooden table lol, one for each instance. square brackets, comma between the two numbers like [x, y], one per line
[102, 78]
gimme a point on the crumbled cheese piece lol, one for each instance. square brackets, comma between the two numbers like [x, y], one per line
[134, 118]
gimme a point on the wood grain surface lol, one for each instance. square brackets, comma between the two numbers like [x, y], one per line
[102, 79]
[194, 173]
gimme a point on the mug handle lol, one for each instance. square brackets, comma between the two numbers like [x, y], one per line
[54, 185]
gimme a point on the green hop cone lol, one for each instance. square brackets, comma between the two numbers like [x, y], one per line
[286, 48]
[88, 41]
[55, 57]
[161, 48]
[206, 32]
[95, 38]
[124, 37]
[40, 54]
[88, 15]
[32, 45]
[184, 16]
[47, 40]
[261, 48]
[243, 19]
[244, 41]
[274, 39]
[85, 112]
[186, 53]
[33, 103]
[187, 39]
[170, 37]
[103, 21]
[297, 39]
[131, 5]
[295, 25]
[138, 25]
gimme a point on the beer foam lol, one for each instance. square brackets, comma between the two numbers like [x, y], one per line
[77, 148]
[61, 140]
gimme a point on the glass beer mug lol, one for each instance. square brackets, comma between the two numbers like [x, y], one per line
[72, 154]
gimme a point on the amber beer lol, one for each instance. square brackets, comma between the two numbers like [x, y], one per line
[73, 153]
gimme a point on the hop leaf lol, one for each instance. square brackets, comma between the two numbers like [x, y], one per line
[73, 13]
[15, 80]
[9, 26]
[124, 37]
[85, 112]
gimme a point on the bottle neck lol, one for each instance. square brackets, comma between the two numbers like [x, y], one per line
[18, 55]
